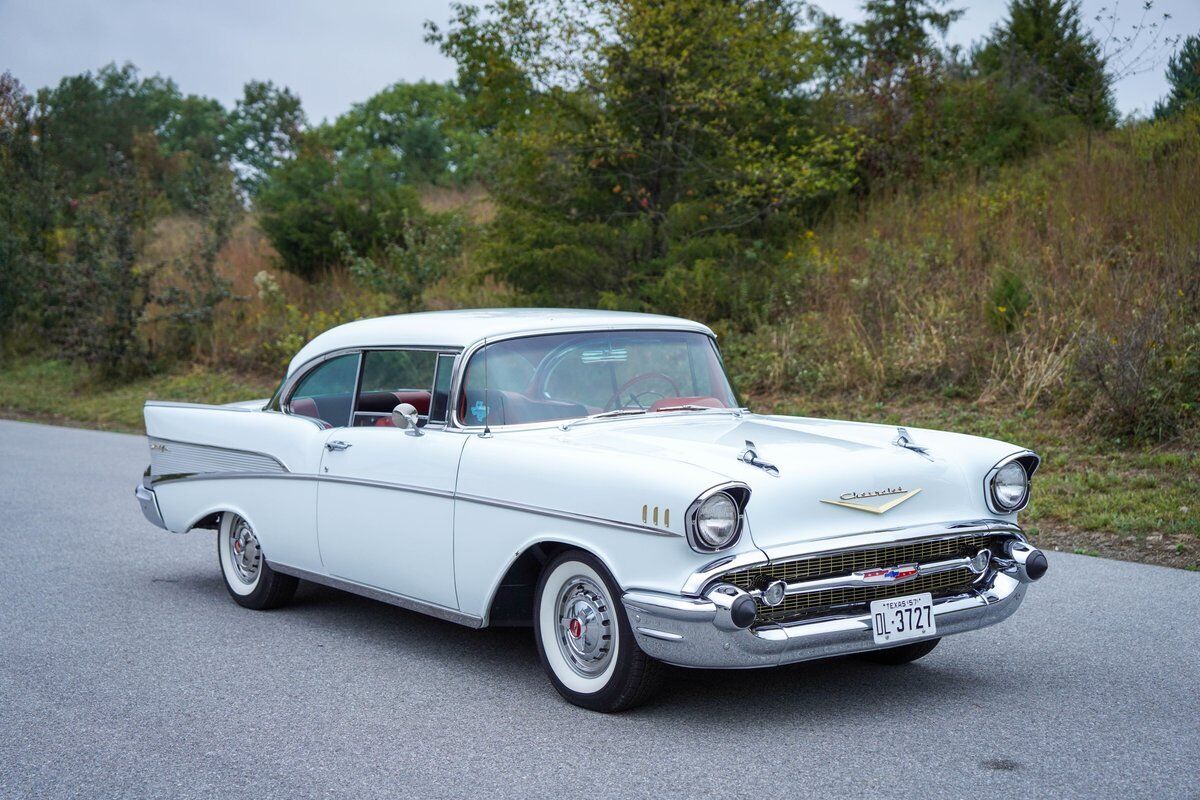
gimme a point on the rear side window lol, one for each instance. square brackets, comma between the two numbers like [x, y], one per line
[392, 377]
[327, 393]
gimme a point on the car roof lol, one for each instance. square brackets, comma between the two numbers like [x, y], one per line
[461, 329]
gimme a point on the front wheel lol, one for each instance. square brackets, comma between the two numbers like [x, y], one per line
[584, 639]
[248, 577]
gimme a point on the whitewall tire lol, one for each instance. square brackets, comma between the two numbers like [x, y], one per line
[584, 639]
[248, 577]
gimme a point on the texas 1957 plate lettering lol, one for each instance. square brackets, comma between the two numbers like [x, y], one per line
[901, 618]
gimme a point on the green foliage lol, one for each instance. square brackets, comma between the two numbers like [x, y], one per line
[1143, 377]
[264, 130]
[1183, 79]
[1011, 301]
[188, 305]
[621, 131]
[96, 294]
[313, 197]
[415, 130]
[1042, 48]
[425, 251]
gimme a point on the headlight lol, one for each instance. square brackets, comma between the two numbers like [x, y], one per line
[1009, 486]
[714, 521]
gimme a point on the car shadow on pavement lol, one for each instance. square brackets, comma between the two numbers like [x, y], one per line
[840, 687]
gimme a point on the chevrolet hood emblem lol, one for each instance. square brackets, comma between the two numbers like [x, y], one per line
[852, 500]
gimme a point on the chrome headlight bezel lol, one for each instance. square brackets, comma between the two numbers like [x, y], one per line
[1026, 460]
[739, 494]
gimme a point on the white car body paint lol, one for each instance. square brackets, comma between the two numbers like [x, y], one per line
[441, 517]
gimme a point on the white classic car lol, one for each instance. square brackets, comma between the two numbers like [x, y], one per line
[591, 474]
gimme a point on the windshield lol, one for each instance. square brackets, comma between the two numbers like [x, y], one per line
[572, 375]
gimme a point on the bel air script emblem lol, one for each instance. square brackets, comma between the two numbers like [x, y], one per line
[850, 500]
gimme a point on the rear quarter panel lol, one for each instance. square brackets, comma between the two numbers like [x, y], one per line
[258, 464]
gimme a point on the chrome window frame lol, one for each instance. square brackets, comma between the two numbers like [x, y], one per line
[282, 401]
[317, 363]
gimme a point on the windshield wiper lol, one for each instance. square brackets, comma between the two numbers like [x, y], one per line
[616, 412]
[690, 407]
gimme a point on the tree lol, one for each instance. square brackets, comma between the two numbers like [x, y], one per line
[418, 128]
[264, 130]
[1183, 79]
[87, 119]
[894, 85]
[1042, 47]
[632, 137]
[310, 202]
[26, 199]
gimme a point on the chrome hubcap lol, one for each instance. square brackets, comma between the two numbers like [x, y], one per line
[584, 627]
[244, 552]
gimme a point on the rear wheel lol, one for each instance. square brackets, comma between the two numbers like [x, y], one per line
[902, 654]
[584, 639]
[248, 577]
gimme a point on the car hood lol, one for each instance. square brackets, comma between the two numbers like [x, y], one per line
[818, 461]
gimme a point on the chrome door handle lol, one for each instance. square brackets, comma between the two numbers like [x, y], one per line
[337, 445]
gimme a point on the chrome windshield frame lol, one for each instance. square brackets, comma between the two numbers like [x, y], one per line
[468, 353]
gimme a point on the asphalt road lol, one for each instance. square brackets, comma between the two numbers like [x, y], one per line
[125, 670]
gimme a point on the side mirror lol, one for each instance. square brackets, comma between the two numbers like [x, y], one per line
[404, 416]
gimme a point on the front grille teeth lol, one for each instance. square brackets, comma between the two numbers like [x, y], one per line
[853, 600]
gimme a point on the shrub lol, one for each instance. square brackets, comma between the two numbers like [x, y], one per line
[1143, 383]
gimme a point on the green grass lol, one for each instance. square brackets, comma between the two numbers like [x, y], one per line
[55, 391]
[1092, 495]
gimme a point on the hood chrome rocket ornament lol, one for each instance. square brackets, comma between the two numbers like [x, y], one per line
[904, 439]
[750, 456]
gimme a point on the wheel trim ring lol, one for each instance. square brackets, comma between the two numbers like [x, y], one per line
[245, 553]
[584, 607]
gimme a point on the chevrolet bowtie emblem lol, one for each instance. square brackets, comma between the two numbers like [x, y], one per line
[847, 500]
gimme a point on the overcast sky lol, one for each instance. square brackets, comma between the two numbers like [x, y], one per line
[336, 53]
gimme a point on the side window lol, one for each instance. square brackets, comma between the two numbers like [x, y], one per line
[327, 393]
[391, 377]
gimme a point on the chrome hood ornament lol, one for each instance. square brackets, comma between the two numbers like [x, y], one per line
[750, 456]
[904, 439]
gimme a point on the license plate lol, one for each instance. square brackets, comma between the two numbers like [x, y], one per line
[902, 618]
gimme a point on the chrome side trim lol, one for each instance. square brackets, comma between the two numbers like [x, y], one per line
[391, 598]
[399, 487]
[205, 406]
[170, 457]
[567, 515]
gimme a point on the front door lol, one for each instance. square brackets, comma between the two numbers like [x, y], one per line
[385, 501]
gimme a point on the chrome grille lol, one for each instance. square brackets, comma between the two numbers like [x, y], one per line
[843, 563]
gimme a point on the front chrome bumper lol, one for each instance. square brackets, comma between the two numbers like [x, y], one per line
[149, 503]
[687, 631]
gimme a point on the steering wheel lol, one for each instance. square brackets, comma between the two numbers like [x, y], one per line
[635, 398]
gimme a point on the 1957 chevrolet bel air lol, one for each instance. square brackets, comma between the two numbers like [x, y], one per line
[592, 474]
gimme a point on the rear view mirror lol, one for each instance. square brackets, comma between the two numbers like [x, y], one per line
[404, 416]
